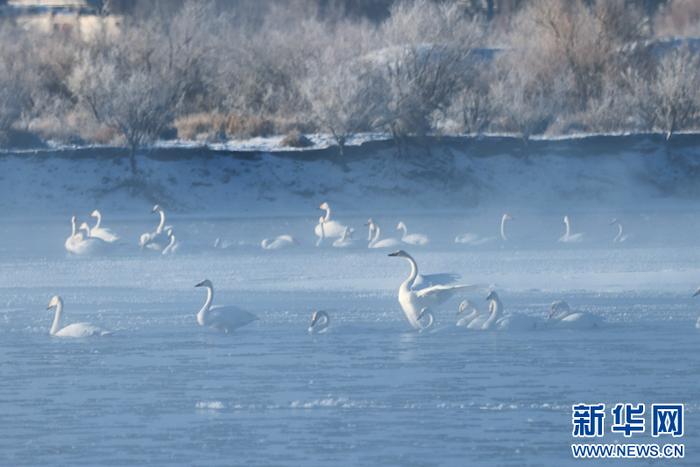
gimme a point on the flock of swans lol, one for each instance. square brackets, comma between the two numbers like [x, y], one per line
[86, 240]
[417, 295]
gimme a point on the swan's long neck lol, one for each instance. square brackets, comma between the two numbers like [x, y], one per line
[403, 228]
[327, 217]
[370, 231]
[619, 233]
[87, 230]
[73, 230]
[323, 232]
[201, 316]
[568, 227]
[170, 245]
[98, 215]
[160, 227]
[323, 322]
[495, 307]
[503, 228]
[414, 273]
[56, 318]
[377, 232]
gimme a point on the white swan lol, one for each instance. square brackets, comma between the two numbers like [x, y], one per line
[98, 231]
[562, 316]
[159, 239]
[319, 322]
[328, 228]
[496, 320]
[414, 301]
[621, 236]
[476, 240]
[72, 330]
[346, 240]
[173, 244]
[464, 306]
[282, 241]
[222, 318]
[75, 238]
[82, 244]
[375, 242]
[568, 237]
[411, 239]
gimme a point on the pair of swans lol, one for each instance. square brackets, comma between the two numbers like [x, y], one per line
[89, 240]
[374, 234]
[495, 319]
[473, 239]
[327, 227]
[159, 239]
[416, 300]
[75, 330]
[343, 241]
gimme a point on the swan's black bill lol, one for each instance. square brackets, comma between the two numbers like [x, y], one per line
[697, 292]
[201, 284]
[396, 253]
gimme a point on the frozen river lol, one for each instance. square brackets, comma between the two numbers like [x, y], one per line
[371, 391]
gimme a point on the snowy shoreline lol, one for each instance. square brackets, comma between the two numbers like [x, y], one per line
[435, 174]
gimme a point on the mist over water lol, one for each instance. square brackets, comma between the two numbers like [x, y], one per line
[164, 391]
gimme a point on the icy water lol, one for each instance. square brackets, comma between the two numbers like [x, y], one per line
[162, 391]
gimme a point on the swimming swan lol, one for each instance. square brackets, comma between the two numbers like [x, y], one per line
[375, 242]
[173, 244]
[414, 301]
[222, 318]
[464, 306]
[159, 239]
[319, 322]
[562, 316]
[346, 240]
[98, 231]
[620, 237]
[328, 228]
[282, 241]
[496, 320]
[412, 239]
[74, 239]
[72, 330]
[568, 237]
[475, 239]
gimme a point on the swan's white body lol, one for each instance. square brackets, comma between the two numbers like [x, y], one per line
[465, 306]
[222, 318]
[476, 240]
[375, 242]
[282, 241]
[158, 239]
[561, 316]
[82, 244]
[346, 240]
[621, 236]
[100, 232]
[328, 228]
[75, 330]
[320, 321]
[568, 237]
[496, 320]
[414, 301]
[412, 239]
